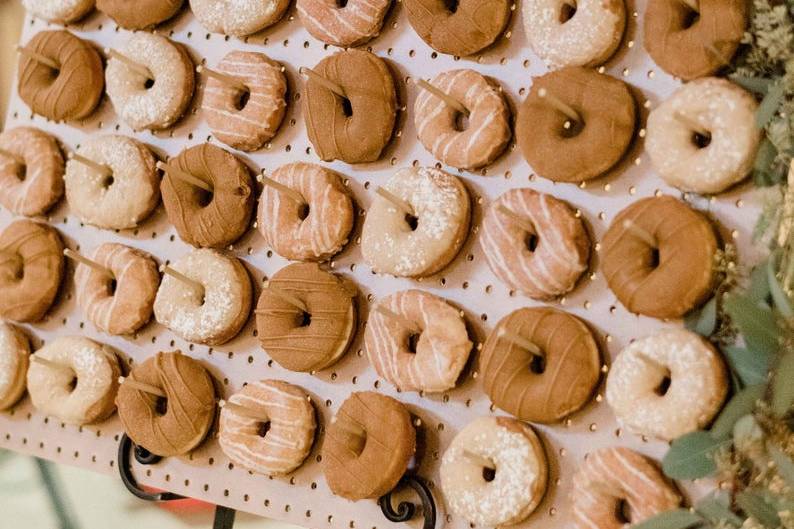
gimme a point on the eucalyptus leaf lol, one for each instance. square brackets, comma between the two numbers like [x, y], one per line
[716, 508]
[764, 171]
[759, 284]
[691, 456]
[759, 85]
[756, 323]
[770, 104]
[743, 403]
[755, 504]
[751, 367]
[780, 298]
[747, 432]
[783, 384]
[785, 465]
[704, 321]
[676, 519]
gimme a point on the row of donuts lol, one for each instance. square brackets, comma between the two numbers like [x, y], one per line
[575, 124]
[687, 39]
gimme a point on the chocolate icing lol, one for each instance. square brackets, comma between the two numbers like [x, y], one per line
[140, 14]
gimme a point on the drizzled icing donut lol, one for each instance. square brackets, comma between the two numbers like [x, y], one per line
[31, 189]
[350, 24]
[311, 231]
[141, 14]
[14, 353]
[488, 131]
[246, 120]
[279, 442]
[238, 17]
[545, 263]
[59, 11]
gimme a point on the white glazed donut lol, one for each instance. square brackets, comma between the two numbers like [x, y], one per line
[33, 188]
[274, 434]
[218, 315]
[125, 198]
[709, 164]
[587, 37]
[238, 17]
[395, 243]
[350, 24]
[510, 490]
[122, 304]
[667, 385]
[60, 11]
[83, 390]
[14, 353]
[146, 104]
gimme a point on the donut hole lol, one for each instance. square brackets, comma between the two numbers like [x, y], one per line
[623, 511]
[451, 5]
[412, 221]
[461, 122]
[242, 99]
[347, 107]
[690, 18]
[304, 319]
[701, 141]
[108, 181]
[111, 286]
[567, 12]
[531, 241]
[571, 128]
[663, 386]
[21, 172]
[488, 474]
[204, 197]
[72, 385]
[262, 428]
[303, 211]
[341, 4]
[148, 83]
[537, 364]
[655, 258]
[413, 342]
[161, 406]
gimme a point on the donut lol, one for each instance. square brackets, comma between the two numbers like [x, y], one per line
[367, 446]
[424, 348]
[82, 390]
[343, 24]
[203, 219]
[465, 29]
[219, 314]
[34, 187]
[690, 160]
[158, 102]
[59, 11]
[72, 91]
[671, 277]
[140, 14]
[486, 135]
[691, 45]
[543, 388]
[275, 434]
[121, 304]
[246, 120]
[355, 129]
[313, 339]
[31, 269]
[177, 423]
[424, 242]
[587, 149]
[545, 262]
[238, 17]
[508, 490]
[585, 35]
[315, 229]
[122, 199]
[14, 353]
[611, 481]
[667, 385]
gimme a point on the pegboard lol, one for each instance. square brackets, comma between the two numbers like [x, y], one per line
[303, 497]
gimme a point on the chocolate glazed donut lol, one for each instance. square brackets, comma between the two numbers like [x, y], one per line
[141, 14]
[357, 128]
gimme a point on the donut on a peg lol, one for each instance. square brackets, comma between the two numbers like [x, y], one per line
[141, 14]
[31, 171]
[14, 361]
[238, 18]
[60, 11]
[343, 24]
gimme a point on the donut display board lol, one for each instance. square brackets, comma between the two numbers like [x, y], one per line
[304, 497]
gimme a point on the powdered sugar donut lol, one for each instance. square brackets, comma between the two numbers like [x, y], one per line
[419, 244]
[585, 35]
[276, 431]
[238, 17]
[704, 138]
[667, 385]
[343, 24]
[123, 303]
[544, 263]
[213, 315]
[423, 348]
[155, 103]
[14, 353]
[33, 187]
[485, 136]
[313, 230]
[245, 120]
[121, 200]
[60, 11]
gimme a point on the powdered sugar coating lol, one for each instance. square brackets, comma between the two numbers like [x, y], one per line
[14, 352]
[62, 11]
[238, 17]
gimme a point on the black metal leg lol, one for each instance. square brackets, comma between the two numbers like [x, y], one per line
[406, 510]
[224, 517]
[144, 457]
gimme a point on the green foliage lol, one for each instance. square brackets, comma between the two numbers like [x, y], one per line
[743, 403]
[691, 456]
[677, 519]
[716, 508]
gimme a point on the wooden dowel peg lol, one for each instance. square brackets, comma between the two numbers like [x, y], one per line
[71, 254]
[398, 318]
[38, 57]
[399, 203]
[521, 220]
[142, 386]
[349, 426]
[692, 124]
[561, 106]
[52, 365]
[286, 296]
[479, 460]
[184, 176]
[10, 155]
[281, 188]
[138, 68]
[243, 411]
[640, 233]
[100, 168]
[717, 54]
[521, 342]
[230, 80]
[179, 276]
[10, 257]
[448, 99]
[694, 5]
[319, 79]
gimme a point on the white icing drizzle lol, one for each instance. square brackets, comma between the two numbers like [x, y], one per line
[354, 24]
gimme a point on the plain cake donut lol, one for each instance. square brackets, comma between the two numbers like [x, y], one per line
[238, 18]
[487, 133]
[672, 276]
[351, 23]
[59, 11]
[510, 488]
[35, 186]
[14, 361]
[610, 477]
[123, 303]
[545, 262]
[83, 389]
[704, 138]
[246, 120]
[119, 201]
[315, 229]
[155, 103]
[423, 348]
[667, 385]
[275, 433]
[31, 269]
[586, 35]
[418, 245]
[141, 14]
